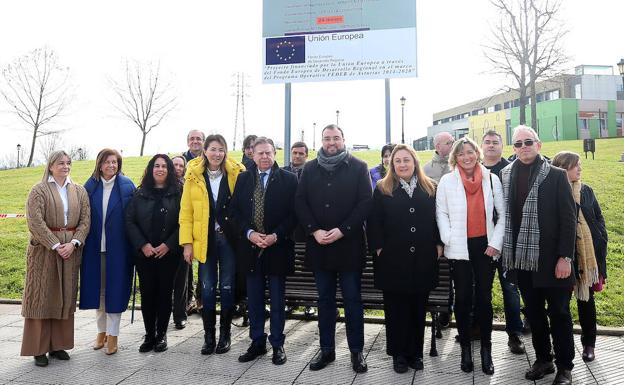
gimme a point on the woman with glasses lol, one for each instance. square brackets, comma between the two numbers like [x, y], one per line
[466, 202]
[152, 227]
[591, 249]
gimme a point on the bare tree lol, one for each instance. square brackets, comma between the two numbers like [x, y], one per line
[37, 88]
[526, 44]
[143, 97]
[49, 144]
[79, 152]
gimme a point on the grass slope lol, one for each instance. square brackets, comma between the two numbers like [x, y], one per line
[605, 174]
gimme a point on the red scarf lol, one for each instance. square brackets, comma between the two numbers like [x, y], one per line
[475, 206]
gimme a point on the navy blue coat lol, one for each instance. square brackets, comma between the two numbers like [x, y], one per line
[279, 218]
[119, 256]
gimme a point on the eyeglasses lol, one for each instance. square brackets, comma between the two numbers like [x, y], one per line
[526, 142]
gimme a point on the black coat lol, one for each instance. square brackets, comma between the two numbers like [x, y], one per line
[556, 212]
[406, 230]
[339, 199]
[595, 221]
[279, 218]
[139, 220]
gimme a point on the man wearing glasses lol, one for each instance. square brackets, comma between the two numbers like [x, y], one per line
[438, 166]
[333, 199]
[540, 234]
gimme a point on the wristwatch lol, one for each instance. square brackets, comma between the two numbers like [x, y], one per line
[568, 259]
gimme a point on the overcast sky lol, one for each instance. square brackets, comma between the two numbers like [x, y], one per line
[200, 44]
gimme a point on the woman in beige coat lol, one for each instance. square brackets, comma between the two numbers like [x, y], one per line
[58, 216]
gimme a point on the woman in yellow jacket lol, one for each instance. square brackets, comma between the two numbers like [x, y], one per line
[206, 235]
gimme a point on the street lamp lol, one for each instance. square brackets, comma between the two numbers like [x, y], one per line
[314, 136]
[621, 68]
[19, 147]
[402, 119]
[337, 114]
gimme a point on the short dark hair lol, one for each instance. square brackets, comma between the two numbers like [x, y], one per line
[148, 183]
[263, 140]
[248, 141]
[300, 144]
[101, 158]
[333, 127]
[491, 132]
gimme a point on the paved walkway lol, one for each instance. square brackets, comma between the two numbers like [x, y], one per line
[182, 363]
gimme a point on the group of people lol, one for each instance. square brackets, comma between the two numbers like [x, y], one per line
[241, 219]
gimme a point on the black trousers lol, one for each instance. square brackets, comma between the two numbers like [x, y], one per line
[587, 319]
[405, 323]
[156, 281]
[181, 293]
[480, 270]
[543, 305]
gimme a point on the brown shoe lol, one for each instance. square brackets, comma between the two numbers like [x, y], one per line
[100, 340]
[111, 345]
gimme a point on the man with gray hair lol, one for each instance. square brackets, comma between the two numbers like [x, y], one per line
[438, 166]
[195, 141]
[540, 234]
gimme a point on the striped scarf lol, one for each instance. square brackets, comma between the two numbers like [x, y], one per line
[585, 255]
[526, 256]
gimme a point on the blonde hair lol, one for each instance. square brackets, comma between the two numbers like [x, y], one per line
[54, 157]
[391, 180]
[458, 146]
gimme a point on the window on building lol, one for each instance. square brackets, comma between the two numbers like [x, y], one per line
[577, 91]
[540, 97]
[554, 94]
[497, 107]
[507, 105]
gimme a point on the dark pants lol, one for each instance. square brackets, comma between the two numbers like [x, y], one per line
[511, 303]
[181, 296]
[350, 285]
[480, 270]
[542, 305]
[156, 277]
[405, 323]
[256, 283]
[222, 273]
[587, 319]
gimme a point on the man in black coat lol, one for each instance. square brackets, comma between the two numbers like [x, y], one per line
[298, 158]
[263, 209]
[333, 199]
[539, 241]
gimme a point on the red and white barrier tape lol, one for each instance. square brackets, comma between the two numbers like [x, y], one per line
[12, 215]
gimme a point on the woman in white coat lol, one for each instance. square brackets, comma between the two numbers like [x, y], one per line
[467, 203]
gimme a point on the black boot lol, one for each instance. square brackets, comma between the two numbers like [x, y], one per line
[225, 327]
[209, 317]
[161, 343]
[466, 359]
[486, 360]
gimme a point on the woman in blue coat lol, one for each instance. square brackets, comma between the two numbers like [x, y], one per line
[106, 271]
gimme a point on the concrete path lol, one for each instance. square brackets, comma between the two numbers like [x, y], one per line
[182, 363]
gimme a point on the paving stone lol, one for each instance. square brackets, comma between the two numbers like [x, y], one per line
[335, 373]
[264, 370]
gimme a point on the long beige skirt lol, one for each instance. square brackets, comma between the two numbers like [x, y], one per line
[45, 335]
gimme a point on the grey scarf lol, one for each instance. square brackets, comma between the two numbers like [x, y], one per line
[526, 256]
[409, 187]
[330, 162]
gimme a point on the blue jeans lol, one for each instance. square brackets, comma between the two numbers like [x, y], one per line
[350, 285]
[223, 253]
[511, 302]
[256, 283]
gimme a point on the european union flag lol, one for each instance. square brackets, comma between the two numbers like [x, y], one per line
[285, 50]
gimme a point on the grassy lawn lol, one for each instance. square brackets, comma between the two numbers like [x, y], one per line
[604, 174]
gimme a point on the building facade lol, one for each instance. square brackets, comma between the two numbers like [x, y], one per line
[587, 104]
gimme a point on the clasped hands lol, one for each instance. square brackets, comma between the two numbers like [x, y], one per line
[156, 252]
[325, 237]
[65, 250]
[262, 240]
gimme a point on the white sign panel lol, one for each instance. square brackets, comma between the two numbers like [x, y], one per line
[320, 40]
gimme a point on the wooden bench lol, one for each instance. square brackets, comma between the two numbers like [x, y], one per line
[301, 291]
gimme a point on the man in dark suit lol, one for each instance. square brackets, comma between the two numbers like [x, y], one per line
[333, 199]
[540, 234]
[263, 208]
